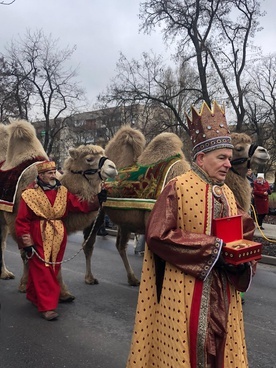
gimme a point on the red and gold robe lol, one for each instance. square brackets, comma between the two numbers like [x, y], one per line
[189, 314]
[39, 222]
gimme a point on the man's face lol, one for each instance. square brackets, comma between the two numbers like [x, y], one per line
[49, 177]
[215, 163]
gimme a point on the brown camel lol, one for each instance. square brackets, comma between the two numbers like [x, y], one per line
[245, 155]
[134, 220]
[160, 149]
[85, 178]
[20, 147]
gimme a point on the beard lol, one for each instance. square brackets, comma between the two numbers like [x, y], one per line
[52, 182]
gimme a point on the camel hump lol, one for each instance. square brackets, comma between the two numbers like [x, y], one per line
[125, 146]
[4, 142]
[23, 144]
[164, 145]
[21, 130]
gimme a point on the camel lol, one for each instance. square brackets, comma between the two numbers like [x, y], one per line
[18, 147]
[161, 148]
[23, 146]
[244, 155]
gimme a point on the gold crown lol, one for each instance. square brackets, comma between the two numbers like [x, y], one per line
[209, 129]
[46, 166]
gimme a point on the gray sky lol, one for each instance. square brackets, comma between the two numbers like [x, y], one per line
[100, 29]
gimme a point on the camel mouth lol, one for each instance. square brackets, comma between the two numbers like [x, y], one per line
[262, 160]
[111, 174]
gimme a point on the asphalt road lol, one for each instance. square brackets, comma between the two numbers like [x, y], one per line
[95, 330]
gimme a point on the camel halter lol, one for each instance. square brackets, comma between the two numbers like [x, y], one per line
[92, 171]
[239, 161]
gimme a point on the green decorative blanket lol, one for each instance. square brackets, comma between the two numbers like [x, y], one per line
[137, 186]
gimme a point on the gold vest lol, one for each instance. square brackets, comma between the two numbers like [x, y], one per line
[51, 225]
[197, 205]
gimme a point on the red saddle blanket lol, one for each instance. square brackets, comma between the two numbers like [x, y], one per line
[9, 180]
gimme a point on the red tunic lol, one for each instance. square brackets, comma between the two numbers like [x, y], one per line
[43, 288]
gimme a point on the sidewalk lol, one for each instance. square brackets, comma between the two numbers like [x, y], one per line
[270, 233]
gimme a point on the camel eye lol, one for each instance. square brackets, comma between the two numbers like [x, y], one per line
[239, 148]
[90, 160]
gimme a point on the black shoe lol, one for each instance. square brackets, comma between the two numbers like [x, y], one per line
[262, 228]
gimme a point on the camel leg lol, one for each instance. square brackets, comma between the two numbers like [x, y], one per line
[121, 244]
[24, 278]
[65, 295]
[5, 273]
[88, 251]
[88, 248]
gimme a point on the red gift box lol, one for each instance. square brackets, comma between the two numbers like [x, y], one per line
[237, 250]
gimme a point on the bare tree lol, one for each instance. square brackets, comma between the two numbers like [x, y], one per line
[214, 33]
[14, 94]
[38, 60]
[7, 2]
[261, 106]
[162, 91]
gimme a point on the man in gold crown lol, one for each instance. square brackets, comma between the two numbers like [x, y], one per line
[39, 225]
[189, 311]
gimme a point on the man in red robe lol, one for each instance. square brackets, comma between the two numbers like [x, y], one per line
[189, 311]
[39, 225]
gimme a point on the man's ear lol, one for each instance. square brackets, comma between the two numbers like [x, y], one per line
[199, 159]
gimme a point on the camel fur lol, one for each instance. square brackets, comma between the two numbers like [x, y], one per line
[4, 142]
[126, 146]
[20, 147]
[236, 177]
[163, 146]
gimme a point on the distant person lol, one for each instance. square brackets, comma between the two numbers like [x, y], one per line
[139, 241]
[251, 176]
[261, 191]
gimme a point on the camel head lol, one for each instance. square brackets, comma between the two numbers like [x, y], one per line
[245, 154]
[85, 169]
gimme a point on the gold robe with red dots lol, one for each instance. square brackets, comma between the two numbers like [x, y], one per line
[40, 221]
[189, 314]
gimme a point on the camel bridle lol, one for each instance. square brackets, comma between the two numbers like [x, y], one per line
[84, 173]
[242, 160]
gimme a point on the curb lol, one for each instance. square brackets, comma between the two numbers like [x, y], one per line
[268, 260]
